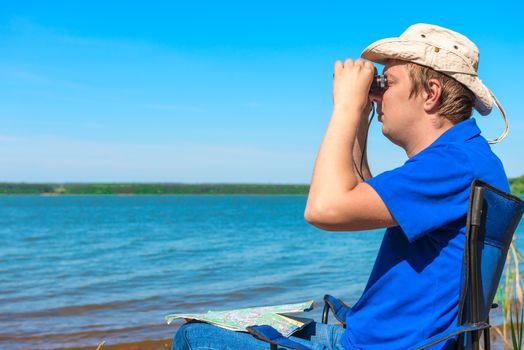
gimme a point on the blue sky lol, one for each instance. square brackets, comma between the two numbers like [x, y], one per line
[209, 91]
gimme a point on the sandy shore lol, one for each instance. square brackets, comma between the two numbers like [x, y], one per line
[164, 344]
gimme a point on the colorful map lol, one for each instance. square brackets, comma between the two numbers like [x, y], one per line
[238, 320]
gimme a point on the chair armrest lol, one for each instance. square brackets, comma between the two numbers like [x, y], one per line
[274, 338]
[451, 333]
[339, 309]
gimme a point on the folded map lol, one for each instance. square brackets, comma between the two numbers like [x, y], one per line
[240, 319]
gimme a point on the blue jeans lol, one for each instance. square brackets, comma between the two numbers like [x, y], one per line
[203, 336]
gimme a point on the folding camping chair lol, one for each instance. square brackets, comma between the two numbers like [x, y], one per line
[493, 217]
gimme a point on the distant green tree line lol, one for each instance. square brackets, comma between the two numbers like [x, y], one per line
[150, 188]
[516, 184]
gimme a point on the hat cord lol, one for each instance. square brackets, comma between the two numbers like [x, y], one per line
[503, 113]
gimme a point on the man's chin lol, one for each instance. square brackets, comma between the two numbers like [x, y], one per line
[386, 133]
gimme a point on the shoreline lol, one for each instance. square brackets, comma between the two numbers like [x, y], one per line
[127, 189]
[144, 189]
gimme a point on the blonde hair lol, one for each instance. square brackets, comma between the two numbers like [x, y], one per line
[456, 100]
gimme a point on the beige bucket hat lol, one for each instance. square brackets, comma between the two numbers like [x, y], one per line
[443, 50]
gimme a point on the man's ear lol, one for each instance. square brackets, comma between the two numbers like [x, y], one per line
[432, 95]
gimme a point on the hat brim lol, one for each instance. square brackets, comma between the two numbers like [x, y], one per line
[411, 50]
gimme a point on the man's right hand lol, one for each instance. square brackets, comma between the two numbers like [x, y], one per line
[351, 84]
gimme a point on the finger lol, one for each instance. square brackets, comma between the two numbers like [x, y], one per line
[370, 68]
[369, 65]
[338, 68]
[349, 63]
[359, 62]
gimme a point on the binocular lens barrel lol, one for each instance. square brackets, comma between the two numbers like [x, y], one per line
[379, 84]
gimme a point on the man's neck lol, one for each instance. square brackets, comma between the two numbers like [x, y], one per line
[427, 136]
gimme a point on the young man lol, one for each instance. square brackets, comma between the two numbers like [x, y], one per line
[412, 293]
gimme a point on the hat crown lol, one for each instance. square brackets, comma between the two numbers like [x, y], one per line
[446, 39]
[440, 49]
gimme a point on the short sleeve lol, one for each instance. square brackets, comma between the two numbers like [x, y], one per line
[429, 191]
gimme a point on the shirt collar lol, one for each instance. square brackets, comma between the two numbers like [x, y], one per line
[460, 132]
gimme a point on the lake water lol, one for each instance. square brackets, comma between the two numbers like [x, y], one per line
[77, 270]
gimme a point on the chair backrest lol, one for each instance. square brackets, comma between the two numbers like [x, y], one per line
[493, 217]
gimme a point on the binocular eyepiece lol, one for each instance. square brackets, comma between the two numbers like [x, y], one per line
[379, 83]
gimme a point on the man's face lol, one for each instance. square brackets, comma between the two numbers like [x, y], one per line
[397, 112]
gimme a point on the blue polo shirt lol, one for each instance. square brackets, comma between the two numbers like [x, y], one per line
[413, 291]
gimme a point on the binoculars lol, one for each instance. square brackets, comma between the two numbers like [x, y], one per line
[379, 84]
